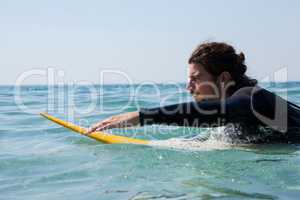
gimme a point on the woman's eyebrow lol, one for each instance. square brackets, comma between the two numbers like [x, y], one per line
[195, 74]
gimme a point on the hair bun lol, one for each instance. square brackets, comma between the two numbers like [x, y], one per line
[241, 57]
[240, 67]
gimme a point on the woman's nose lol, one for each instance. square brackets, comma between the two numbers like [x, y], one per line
[189, 86]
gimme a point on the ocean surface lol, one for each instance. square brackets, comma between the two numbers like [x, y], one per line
[41, 160]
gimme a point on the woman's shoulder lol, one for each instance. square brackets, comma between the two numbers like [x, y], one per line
[253, 91]
[244, 91]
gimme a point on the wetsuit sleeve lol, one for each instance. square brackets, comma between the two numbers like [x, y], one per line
[200, 114]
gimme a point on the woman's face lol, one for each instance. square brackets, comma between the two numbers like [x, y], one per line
[201, 84]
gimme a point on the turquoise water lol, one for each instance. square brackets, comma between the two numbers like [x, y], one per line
[40, 160]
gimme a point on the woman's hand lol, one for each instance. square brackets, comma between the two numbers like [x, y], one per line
[118, 121]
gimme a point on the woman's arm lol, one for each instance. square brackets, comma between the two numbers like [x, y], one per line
[200, 114]
[117, 121]
[193, 114]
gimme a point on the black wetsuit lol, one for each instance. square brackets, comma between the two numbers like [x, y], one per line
[260, 115]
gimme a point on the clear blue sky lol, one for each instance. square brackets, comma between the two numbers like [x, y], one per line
[149, 40]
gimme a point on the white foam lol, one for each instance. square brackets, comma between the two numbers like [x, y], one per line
[214, 139]
[177, 143]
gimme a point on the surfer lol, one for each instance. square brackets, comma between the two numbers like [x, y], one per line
[224, 96]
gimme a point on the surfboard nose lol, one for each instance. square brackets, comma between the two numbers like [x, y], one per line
[99, 136]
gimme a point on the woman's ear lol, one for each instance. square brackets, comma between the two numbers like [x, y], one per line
[224, 77]
[223, 81]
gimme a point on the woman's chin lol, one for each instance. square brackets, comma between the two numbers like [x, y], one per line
[203, 97]
[198, 97]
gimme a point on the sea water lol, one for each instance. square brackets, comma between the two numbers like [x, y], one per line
[41, 160]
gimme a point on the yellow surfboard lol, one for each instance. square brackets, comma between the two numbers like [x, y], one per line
[99, 136]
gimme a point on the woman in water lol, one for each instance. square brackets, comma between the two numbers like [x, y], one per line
[224, 96]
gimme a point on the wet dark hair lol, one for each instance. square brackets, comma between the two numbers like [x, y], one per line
[218, 57]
